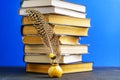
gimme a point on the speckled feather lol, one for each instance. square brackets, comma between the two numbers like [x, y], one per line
[50, 39]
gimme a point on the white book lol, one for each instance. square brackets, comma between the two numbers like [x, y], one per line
[46, 59]
[65, 49]
[57, 3]
[55, 10]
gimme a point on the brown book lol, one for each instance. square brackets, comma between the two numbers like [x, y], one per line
[41, 58]
[33, 39]
[59, 29]
[60, 19]
[65, 49]
[67, 68]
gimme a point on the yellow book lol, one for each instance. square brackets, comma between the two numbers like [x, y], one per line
[59, 29]
[60, 19]
[67, 68]
[33, 39]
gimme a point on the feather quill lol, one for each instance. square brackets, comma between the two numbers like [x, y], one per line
[50, 39]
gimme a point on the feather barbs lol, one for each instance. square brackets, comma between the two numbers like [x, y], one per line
[50, 39]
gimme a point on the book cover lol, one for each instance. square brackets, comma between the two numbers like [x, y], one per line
[67, 68]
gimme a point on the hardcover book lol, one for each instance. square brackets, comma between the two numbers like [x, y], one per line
[57, 3]
[54, 10]
[41, 58]
[65, 49]
[59, 29]
[67, 68]
[60, 19]
[33, 39]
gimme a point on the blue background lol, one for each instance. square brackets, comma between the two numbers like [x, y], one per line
[104, 35]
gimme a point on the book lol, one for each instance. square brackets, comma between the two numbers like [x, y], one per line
[60, 19]
[54, 10]
[69, 21]
[65, 49]
[32, 58]
[59, 29]
[33, 39]
[67, 68]
[57, 3]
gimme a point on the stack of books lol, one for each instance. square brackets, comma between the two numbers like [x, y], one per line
[69, 21]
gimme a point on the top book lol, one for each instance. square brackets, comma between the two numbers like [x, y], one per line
[57, 3]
